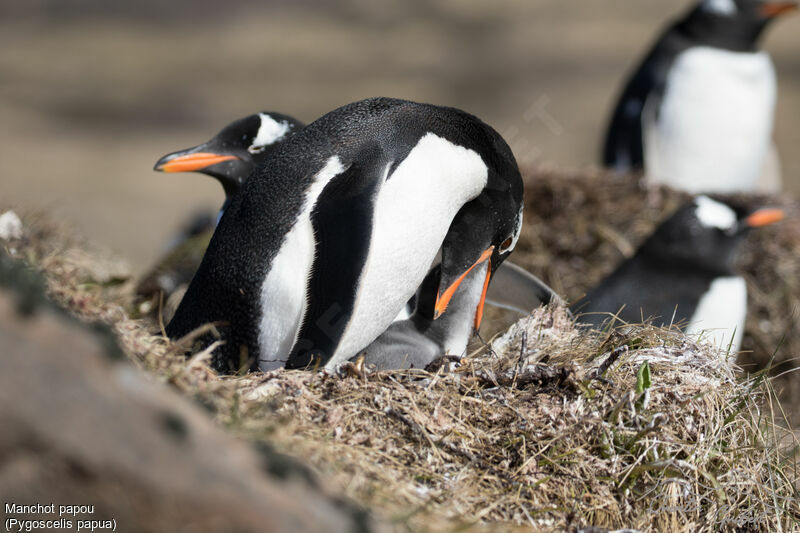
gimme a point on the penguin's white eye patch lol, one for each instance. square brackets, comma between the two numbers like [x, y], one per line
[269, 132]
[712, 214]
[511, 241]
[722, 7]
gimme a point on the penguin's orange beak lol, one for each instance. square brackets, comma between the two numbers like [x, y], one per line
[764, 217]
[479, 310]
[443, 297]
[190, 162]
[774, 9]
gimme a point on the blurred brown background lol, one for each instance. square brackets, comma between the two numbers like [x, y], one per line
[93, 92]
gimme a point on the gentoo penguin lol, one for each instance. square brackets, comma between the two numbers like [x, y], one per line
[683, 274]
[697, 114]
[326, 244]
[230, 157]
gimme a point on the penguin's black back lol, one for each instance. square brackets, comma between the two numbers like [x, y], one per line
[642, 289]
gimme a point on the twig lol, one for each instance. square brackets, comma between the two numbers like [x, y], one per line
[533, 374]
[184, 342]
[161, 314]
[610, 360]
[520, 361]
[523, 346]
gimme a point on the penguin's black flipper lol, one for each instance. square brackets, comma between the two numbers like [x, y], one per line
[343, 219]
[623, 149]
[516, 289]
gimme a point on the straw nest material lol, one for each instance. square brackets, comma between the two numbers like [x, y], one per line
[551, 425]
[580, 225]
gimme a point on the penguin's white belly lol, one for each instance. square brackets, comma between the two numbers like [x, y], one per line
[714, 126]
[413, 212]
[283, 296]
[720, 314]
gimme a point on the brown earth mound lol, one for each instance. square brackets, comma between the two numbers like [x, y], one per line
[550, 426]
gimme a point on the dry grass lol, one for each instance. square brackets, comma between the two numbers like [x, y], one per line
[580, 225]
[550, 426]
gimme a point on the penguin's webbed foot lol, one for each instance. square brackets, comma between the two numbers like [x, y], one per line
[442, 361]
[353, 369]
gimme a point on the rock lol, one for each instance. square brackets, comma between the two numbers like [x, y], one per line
[81, 427]
[10, 226]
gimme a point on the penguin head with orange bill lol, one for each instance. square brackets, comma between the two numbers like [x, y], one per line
[482, 235]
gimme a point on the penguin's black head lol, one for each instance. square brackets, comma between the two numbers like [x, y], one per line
[233, 153]
[705, 234]
[735, 24]
[485, 229]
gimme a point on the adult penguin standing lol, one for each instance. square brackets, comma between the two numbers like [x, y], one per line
[697, 114]
[328, 242]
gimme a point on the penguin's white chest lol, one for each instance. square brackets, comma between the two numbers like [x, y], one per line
[714, 127]
[721, 312]
[412, 214]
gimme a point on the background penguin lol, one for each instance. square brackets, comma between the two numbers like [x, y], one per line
[697, 114]
[389, 183]
[229, 157]
[683, 275]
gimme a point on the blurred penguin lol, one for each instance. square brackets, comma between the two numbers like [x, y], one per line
[697, 114]
[683, 275]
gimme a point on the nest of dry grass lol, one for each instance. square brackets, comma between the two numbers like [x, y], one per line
[550, 426]
[580, 225]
